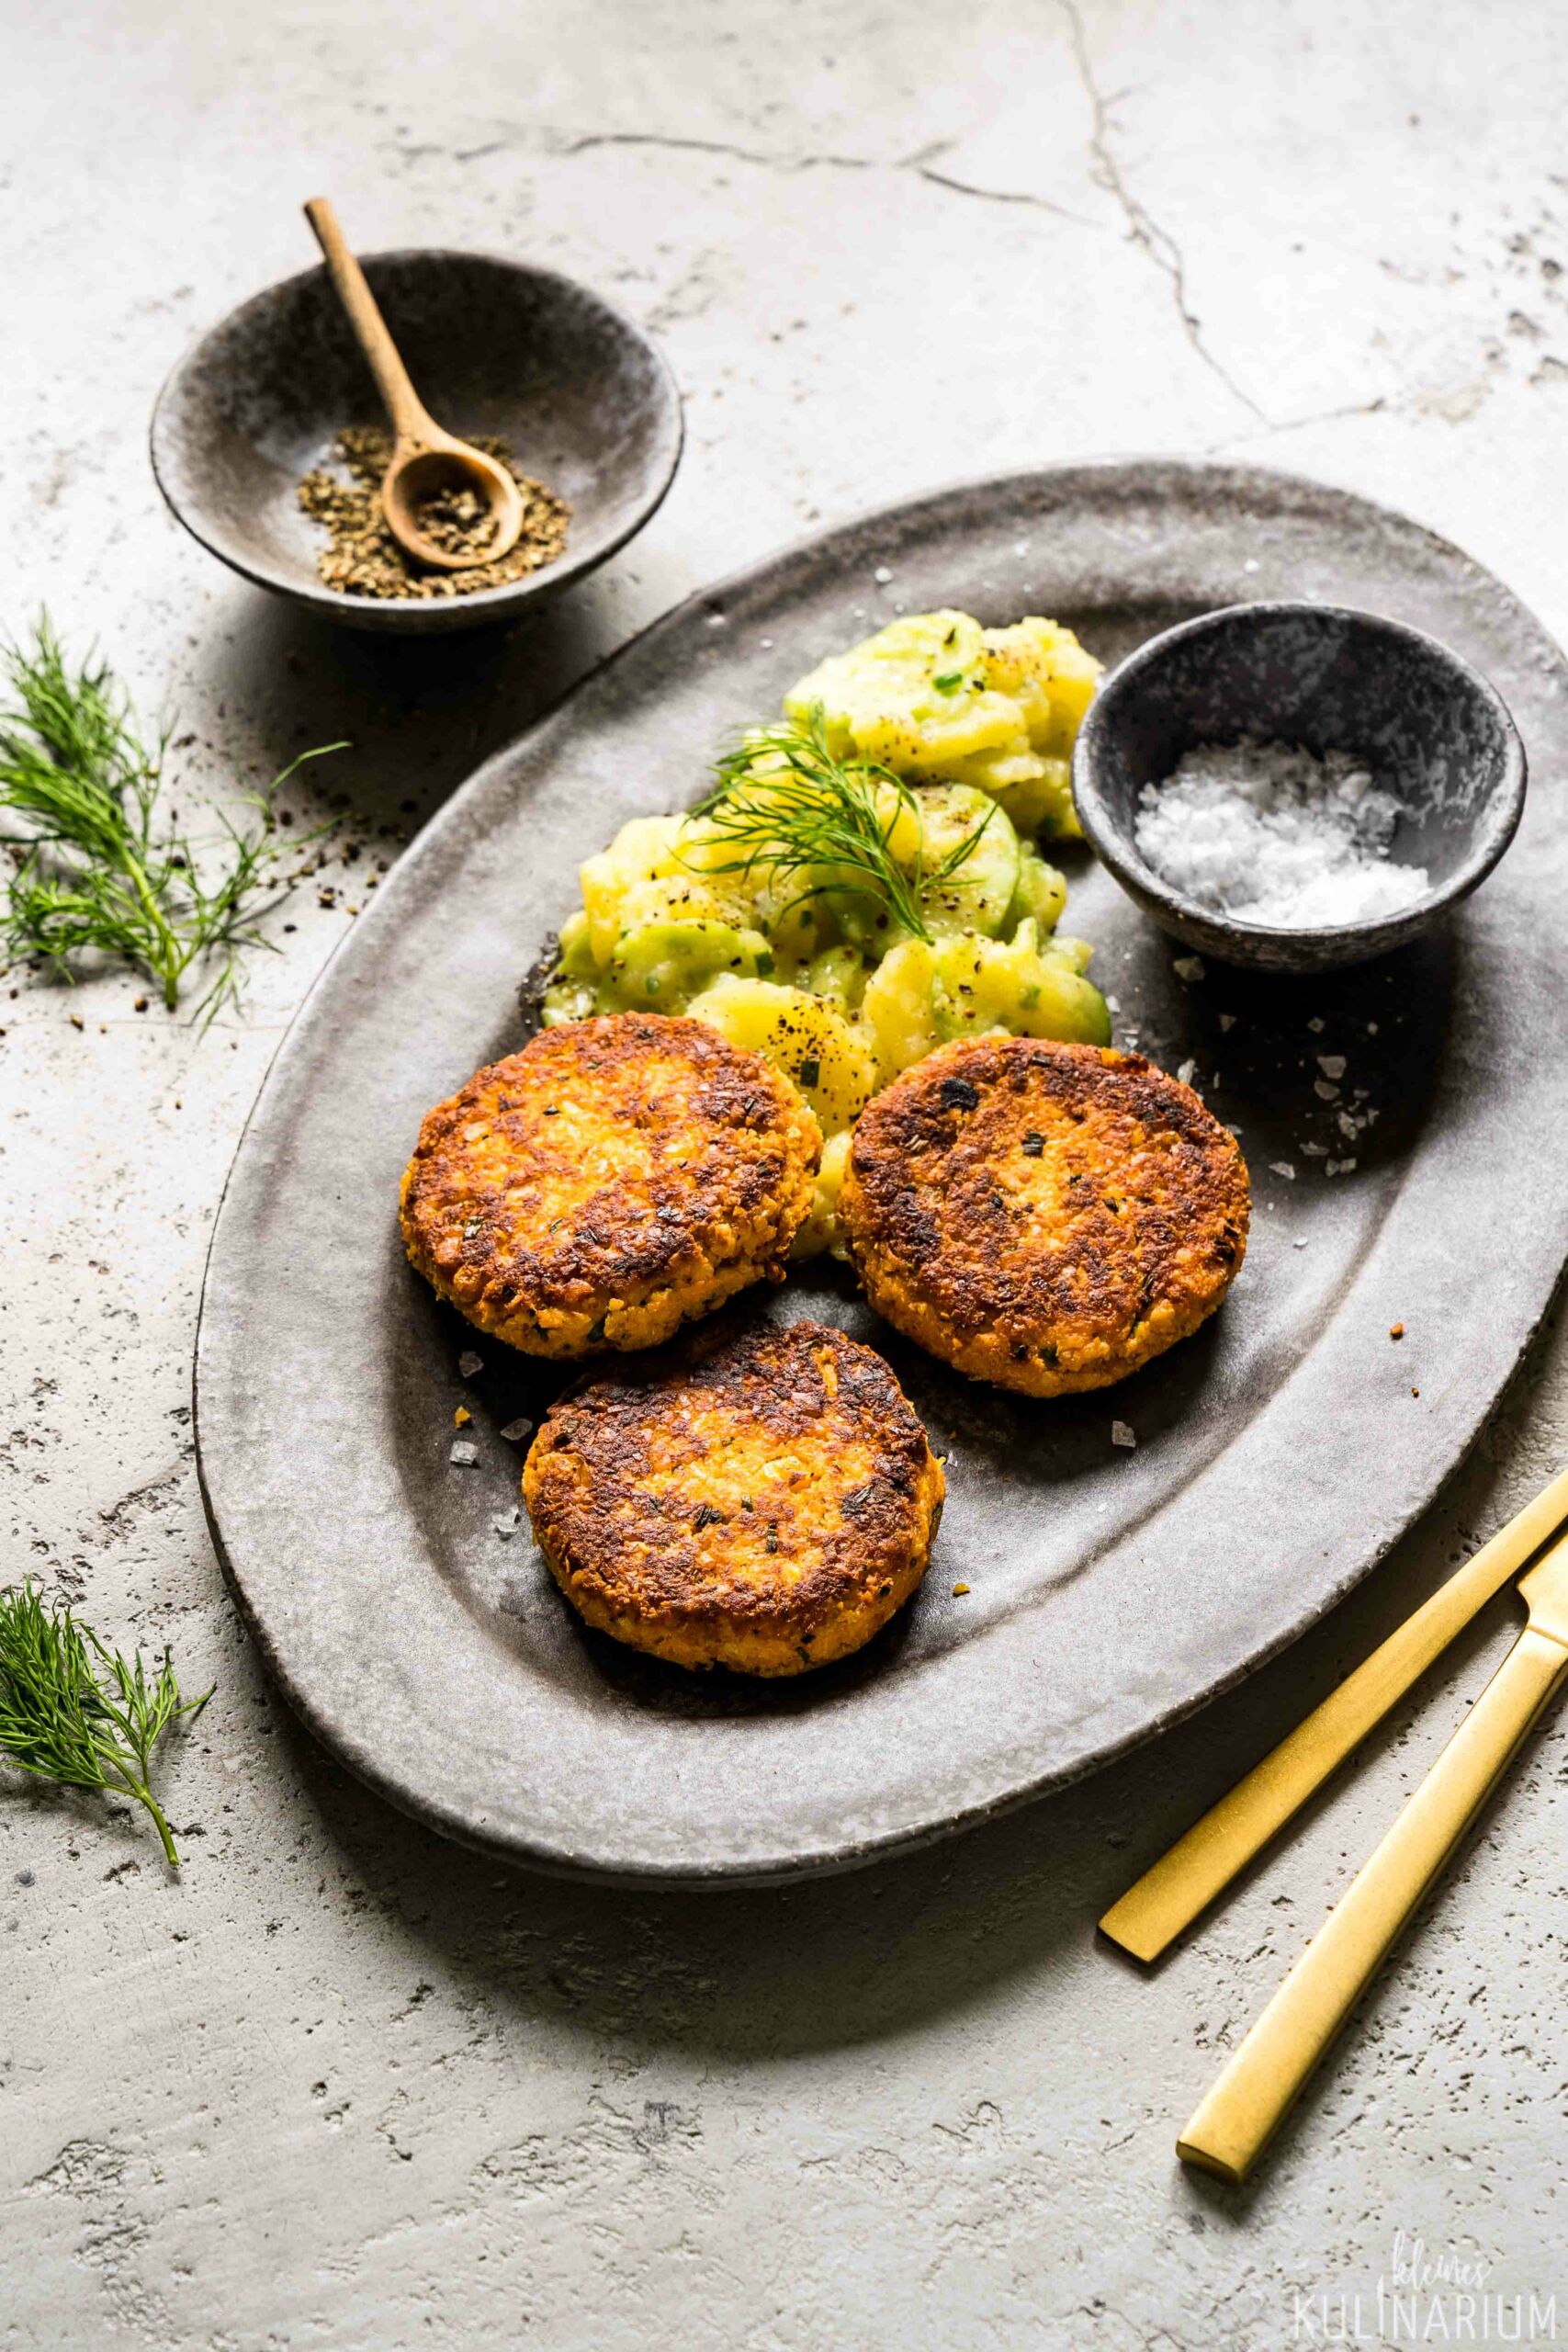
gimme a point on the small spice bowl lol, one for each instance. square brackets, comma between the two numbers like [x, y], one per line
[582, 397]
[1433, 733]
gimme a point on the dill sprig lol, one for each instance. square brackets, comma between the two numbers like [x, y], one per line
[74, 1712]
[97, 868]
[788, 806]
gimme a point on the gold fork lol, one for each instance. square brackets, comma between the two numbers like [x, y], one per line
[1239, 2116]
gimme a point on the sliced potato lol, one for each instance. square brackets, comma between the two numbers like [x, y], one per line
[913, 696]
[934, 695]
[831, 1059]
[897, 1007]
[983, 984]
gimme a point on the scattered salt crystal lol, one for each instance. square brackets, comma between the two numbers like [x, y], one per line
[505, 1522]
[1316, 1024]
[469, 1363]
[1122, 1435]
[1282, 1168]
[518, 1430]
[1187, 1073]
[1228, 1021]
[1338, 1168]
[1310, 1150]
[1113, 1005]
[1331, 1065]
[1298, 1245]
[1021, 546]
[1251, 564]
[1271, 834]
[1371, 1028]
[1188, 967]
[766, 644]
[882, 575]
[463, 1452]
[1324, 1090]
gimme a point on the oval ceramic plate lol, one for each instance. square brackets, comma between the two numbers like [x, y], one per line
[1403, 1127]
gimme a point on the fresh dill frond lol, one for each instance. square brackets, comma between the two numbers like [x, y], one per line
[75, 1712]
[96, 870]
[788, 806]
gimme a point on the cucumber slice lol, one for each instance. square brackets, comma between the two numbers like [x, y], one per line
[975, 897]
[655, 967]
[1041, 894]
[978, 896]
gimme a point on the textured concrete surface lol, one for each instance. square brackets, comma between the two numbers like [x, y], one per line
[342, 2085]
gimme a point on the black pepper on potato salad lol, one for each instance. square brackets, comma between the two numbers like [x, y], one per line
[861, 882]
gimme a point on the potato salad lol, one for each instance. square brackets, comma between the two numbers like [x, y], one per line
[863, 880]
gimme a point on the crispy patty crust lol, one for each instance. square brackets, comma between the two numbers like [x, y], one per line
[1042, 1215]
[765, 1500]
[614, 1178]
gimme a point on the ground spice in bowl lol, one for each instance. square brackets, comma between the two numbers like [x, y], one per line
[362, 558]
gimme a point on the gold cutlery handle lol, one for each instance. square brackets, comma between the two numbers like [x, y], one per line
[1185, 1880]
[1239, 2116]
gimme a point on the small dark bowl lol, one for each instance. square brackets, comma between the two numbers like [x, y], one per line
[579, 393]
[1430, 728]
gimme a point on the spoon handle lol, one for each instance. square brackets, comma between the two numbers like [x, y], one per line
[411, 421]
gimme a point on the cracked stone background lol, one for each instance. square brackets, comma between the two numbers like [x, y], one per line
[342, 2084]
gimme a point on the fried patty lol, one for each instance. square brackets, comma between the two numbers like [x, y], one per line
[763, 1501]
[614, 1178]
[1042, 1215]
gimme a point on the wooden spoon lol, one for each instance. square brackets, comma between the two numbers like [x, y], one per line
[426, 458]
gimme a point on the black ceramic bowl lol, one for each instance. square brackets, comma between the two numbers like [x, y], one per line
[1430, 728]
[580, 394]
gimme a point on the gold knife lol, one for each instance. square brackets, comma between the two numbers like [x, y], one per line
[1235, 2122]
[1184, 1881]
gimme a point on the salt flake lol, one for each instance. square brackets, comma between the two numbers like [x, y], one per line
[1282, 1168]
[518, 1430]
[1331, 1065]
[469, 1363]
[464, 1453]
[1188, 967]
[1120, 1434]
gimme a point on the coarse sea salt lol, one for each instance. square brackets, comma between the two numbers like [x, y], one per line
[1270, 833]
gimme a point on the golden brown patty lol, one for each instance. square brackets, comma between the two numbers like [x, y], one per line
[765, 1501]
[1046, 1216]
[611, 1180]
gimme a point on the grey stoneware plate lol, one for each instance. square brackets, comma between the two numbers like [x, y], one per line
[1403, 1121]
[1430, 728]
[581, 395]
